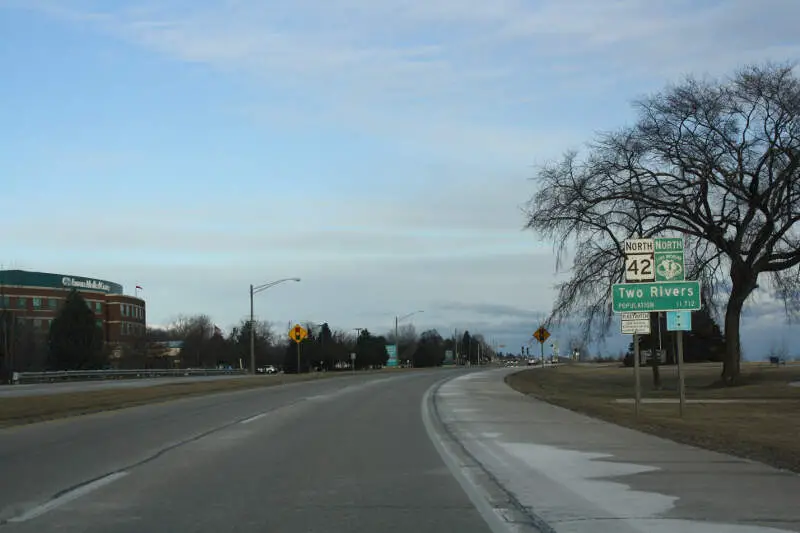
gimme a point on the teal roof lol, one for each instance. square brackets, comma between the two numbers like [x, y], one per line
[23, 278]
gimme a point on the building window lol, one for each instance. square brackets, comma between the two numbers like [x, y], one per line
[53, 303]
[99, 323]
[37, 323]
[37, 303]
[50, 323]
[22, 303]
[98, 306]
[5, 301]
[124, 310]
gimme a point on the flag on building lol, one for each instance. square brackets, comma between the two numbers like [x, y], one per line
[139, 287]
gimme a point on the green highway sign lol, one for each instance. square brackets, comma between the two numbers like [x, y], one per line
[656, 296]
[669, 259]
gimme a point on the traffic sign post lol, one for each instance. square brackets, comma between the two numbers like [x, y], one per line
[298, 333]
[639, 267]
[680, 321]
[541, 335]
[655, 270]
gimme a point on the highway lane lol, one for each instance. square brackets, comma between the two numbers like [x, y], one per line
[350, 454]
[39, 389]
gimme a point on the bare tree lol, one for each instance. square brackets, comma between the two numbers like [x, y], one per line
[714, 162]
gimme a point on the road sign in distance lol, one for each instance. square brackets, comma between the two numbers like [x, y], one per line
[656, 296]
[541, 335]
[298, 333]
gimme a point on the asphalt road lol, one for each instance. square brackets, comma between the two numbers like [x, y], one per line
[39, 389]
[343, 455]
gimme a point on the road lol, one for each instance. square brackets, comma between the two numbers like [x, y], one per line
[38, 389]
[346, 455]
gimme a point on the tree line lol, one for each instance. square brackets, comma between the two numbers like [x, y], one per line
[74, 341]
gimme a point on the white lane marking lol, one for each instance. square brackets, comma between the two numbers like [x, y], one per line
[67, 497]
[318, 397]
[253, 418]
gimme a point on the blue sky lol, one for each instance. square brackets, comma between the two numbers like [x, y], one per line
[380, 150]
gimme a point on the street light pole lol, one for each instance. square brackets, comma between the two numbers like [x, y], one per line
[397, 333]
[252, 335]
[253, 291]
[355, 347]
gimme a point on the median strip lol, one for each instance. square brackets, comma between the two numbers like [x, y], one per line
[21, 410]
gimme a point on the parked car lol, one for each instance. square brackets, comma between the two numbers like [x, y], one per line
[269, 369]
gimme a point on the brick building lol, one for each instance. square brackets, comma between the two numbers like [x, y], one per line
[37, 297]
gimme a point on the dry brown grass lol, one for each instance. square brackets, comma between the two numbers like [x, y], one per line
[768, 432]
[28, 409]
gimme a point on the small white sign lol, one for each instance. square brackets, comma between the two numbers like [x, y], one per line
[639, 246]
[635, 324]
[353, 356]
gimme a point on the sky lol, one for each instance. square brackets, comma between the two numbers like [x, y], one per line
[380, 150]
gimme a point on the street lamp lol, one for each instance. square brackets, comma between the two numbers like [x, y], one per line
[397, 335]
[321, 340]
[255, 290]
[355, 348]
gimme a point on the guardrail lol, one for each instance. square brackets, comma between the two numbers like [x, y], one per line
[97, 375]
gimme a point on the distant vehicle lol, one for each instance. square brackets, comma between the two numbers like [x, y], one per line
[269, 369]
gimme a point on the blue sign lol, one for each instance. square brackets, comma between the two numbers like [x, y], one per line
[679, 321]
[391, 349]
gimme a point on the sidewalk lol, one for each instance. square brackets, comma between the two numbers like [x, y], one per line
[573, 474]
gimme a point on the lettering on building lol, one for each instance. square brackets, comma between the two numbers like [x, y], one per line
[90, 284]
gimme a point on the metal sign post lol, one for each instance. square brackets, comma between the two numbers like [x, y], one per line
[639, 268]
[637, 380]
[679, 322]
[681, 383]
[656, 282]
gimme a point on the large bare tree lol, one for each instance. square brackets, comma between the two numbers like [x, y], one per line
[717, 162]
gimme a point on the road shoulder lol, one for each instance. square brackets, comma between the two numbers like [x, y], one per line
[557, 470]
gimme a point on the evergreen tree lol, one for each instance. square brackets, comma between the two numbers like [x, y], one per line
[75, 340]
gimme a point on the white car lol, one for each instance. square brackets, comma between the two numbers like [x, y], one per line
[269, 369]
